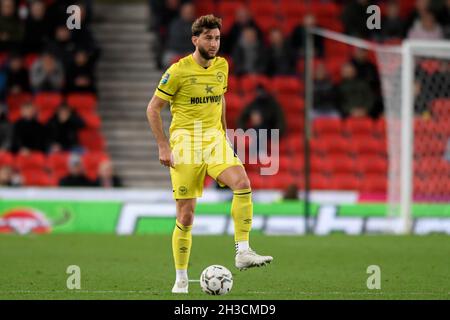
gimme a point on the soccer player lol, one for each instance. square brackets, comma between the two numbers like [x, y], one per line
[195, 87]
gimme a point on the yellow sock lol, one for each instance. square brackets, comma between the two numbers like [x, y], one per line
[242, 213]
[181, 245]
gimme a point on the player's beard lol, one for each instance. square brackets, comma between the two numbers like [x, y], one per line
[205, 55]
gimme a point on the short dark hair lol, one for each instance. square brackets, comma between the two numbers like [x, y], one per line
[206, 22]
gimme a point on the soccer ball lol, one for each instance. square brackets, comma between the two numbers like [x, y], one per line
[216, 280]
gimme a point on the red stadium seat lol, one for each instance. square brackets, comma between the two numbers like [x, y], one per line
[320, 165]
[440, 109]
[30, 161]
[263, 8]
[233, 85]
[379, 128]
[346, 181]
[342, 164]
[44, 115]
[251, 81]
[37, 178]
[14, 101]
[319, 146]
[293, 10]
[287, 85]
[320, 181]
[374, 183]
[267, 22]
[294, 121]
[58, 164]
[6, 158]
[82, 101]
[91, 162]
[359, 126]
[92, 140]
[47, 100]
[429, 145]
[291, 102]
[295, 143]
[369, 146]
[91, 120]
[323, 127]
[233, 101]
[372, 165]
[338, 145]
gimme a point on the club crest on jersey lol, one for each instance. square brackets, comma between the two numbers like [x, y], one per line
[165, 78]
[220, 76]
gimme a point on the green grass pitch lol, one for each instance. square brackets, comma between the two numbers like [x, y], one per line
[304, 267]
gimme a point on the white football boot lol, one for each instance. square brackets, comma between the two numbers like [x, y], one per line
[181, 286]
[248, 259]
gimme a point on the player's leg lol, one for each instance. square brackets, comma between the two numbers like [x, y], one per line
[236, 179]
[182, 242]
[187, 183]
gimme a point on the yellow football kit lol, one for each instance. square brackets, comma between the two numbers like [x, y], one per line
[197, 138]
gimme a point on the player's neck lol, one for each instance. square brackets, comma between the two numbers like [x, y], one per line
[200, 60]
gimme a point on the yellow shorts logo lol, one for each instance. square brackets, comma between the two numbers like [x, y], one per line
[182, 190]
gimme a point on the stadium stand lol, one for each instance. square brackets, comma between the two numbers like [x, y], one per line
[45, 168]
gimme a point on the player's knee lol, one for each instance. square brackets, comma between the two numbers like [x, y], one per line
[186, 218]
[186, 215]
[242, 183]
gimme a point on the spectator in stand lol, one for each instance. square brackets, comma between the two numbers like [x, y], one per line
[80, 75]
[179, 36]
[325, 95]
[5, 129]
[443, 17]
[83, 37]
[47, 74]
[421, 6]
[37, 28]
[426, 28]
[280, 58]
[17, 76]
[8, 178]
[162, 12]
[355, 95]
[76, 176]
[263, 112]
[63, 130]
[298, 38]
[243, 19]
[106, 177]
[248, 54]
[28, 133]
[393, 26]
[63, 46]
[11, 30]
[368, 72]
[421, 99]
[354, 18]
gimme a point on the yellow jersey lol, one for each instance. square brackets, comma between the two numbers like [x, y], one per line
[195, 95]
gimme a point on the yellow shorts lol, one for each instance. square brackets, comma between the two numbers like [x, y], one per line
[191, 166]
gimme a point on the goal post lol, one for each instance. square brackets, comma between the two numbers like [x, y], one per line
[399, 81]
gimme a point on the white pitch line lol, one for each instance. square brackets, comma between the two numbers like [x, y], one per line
[250, 292]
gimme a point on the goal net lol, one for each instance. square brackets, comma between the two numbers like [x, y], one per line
[411, 118]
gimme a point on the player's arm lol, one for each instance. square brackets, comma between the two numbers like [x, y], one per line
[154, 119]
[224, 118]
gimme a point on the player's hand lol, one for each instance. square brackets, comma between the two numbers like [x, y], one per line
[165, 156]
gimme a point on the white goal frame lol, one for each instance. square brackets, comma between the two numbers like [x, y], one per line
[407, 50]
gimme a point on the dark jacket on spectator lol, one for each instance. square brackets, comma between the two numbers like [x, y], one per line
[29, 134]
[65, 133]
[354, 93]
[76, 181]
